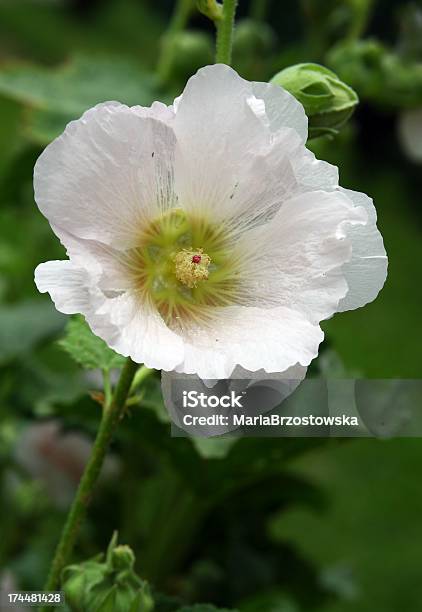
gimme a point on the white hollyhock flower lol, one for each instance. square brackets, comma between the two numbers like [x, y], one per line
[204, 235]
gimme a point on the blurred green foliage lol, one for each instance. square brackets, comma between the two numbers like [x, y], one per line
[55, 97]
[260, 525]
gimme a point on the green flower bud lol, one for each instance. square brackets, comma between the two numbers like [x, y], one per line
[190, 49]
[252, 38]
[328, 102]
[122, 557]
[107, 585]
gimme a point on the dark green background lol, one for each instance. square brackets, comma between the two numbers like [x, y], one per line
[319, 525]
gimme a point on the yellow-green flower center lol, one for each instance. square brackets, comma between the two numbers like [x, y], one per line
[185, 267]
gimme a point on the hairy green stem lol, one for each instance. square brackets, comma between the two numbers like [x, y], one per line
[107, 387]
[110, 419]
[178, 21]
[225, 28]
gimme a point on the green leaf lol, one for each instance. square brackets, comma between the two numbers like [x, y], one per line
[43, 126]
[78, 84]
[56, 96]
[9, 131]
[87, 349]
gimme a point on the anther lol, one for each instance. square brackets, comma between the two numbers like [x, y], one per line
[191, 266]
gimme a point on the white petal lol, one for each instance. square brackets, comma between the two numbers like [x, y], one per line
[241, 148]
[106, 174]
[96, 256]
[282, 109]
[219, 138]
[296, 260]
[229, 165]
[242, 379]
[254, 339]
[71, 287]
[157, 110]
[284, 383]
[137, 331]
[311, 173]
[262, 184]
[129, 327]
[367, 270]
[295, 372]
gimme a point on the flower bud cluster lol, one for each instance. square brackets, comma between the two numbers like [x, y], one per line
[111, 584]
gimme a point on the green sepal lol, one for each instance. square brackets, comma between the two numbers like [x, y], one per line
[108, 604]
[78, 579]
[143, 601]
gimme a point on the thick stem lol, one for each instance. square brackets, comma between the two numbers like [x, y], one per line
[225, 27]
[110, 419]
[179, 19]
